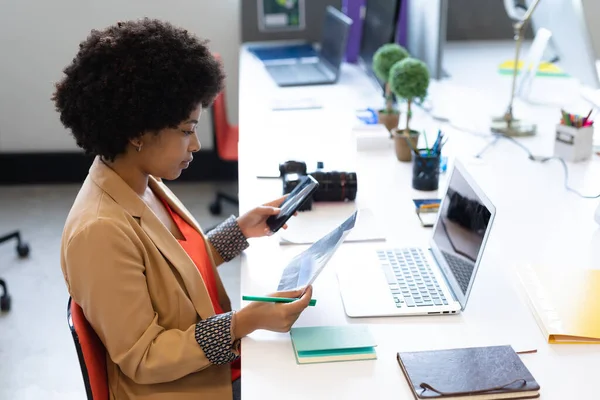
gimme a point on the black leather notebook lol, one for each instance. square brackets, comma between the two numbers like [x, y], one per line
[478, 373]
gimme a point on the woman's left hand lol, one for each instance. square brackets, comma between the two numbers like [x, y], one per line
[253, 223]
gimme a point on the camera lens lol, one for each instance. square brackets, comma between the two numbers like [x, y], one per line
[335, 186]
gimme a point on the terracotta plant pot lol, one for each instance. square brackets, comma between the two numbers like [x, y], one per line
[403, 149]
[390, 121]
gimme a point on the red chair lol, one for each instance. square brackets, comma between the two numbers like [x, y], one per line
[90, 351]
[225, 138]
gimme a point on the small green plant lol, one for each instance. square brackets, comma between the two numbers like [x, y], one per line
[383, 60]
[409, 80]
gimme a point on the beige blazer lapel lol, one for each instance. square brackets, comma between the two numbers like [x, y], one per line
[172, 250]
[167, 244]
[162, 191]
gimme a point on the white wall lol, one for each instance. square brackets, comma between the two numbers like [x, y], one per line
[39, 38]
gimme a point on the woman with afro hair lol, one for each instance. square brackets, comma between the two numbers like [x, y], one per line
[133, 258]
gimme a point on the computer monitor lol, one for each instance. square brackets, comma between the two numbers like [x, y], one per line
[379, 27]
[334, 38]
[426, 33]
[576, 40]
[571, 36]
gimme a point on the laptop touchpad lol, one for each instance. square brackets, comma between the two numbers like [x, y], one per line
[363, 287]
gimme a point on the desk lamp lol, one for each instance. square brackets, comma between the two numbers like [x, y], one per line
[508, 124]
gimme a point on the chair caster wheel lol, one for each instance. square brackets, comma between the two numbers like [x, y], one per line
[23, 250]
[5, 303]
[215, 208]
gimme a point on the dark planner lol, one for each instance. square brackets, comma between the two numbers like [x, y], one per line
[477, 373]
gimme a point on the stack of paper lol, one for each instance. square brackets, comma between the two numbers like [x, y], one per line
[309, 226]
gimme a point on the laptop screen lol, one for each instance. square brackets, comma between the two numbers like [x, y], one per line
[379, 28]
[334, 37]
[461, 231]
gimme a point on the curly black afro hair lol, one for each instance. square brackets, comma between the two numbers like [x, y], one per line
[131, 78]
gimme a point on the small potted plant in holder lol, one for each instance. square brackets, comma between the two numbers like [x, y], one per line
[409, 80]
[383, 60]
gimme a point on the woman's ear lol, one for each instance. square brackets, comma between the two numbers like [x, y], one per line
[144, 139]
[137, 143]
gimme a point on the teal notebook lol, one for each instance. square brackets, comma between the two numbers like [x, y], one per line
[320, 344]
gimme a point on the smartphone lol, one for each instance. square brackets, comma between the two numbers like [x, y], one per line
[297, 197]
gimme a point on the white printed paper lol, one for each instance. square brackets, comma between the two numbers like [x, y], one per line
[306, 266]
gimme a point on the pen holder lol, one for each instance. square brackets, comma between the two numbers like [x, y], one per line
[426, 171]
[574, 144]
[402, 145]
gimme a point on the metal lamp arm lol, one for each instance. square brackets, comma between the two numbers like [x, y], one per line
[519, 28]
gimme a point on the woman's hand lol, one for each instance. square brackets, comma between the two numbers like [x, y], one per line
[276, 317]
[253, 223]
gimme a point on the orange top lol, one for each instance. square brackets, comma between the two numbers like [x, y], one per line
[195, 247]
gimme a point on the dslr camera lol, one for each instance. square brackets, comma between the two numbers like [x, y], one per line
[333, 185]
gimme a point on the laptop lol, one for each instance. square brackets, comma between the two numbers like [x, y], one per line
[325, 67]
[275, 53]
[436, 279]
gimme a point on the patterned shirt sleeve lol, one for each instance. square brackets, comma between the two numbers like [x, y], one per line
[214, 335]
[228, 239]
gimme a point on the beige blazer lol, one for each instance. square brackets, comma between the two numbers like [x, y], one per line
[140, 292]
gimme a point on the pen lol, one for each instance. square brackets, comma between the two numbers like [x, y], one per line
[426, 145]
[437, 141]
[588, 116]
[566, 118]
[268, 299]
[527, 351]
[411, 146]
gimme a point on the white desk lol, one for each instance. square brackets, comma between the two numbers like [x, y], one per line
[537, 221]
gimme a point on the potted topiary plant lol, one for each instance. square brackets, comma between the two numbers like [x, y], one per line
[409, 80]
[383, 60]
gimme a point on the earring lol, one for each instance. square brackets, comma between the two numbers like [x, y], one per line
[139, 148]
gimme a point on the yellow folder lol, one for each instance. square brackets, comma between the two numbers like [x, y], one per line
[565, 302]
[544, 69]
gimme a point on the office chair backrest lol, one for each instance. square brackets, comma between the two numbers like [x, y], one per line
[91, 353]
[225, 143]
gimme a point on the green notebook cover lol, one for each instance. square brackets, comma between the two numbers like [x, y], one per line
[319, 344]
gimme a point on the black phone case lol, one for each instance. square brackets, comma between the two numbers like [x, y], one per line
[276, 222]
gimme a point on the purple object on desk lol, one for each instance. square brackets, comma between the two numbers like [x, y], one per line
[402, 22]
[352, 9]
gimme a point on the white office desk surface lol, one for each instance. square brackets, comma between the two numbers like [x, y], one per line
[537, 221]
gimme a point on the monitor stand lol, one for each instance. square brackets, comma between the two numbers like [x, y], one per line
[591, 95]
[513, 127]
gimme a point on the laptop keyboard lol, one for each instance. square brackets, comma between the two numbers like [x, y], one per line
[461, 269]
[410, 278]
[297, 72]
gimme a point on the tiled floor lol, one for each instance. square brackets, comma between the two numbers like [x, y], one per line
[37, 356]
